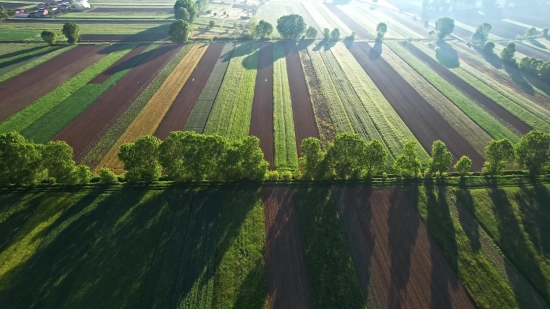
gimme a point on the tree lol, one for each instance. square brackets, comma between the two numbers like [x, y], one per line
[375, 157]
[211, 24]
[244, 160]
[351, 37]
[544, 71]
[480, 36]
[545, 32]
[498, 153]
[291, 26]
[141, 159]
[107, 176]
[81, 175]
[441, 158]
[408, 163]
[335, 35]
[188, 5]
[346, 156]
[531, 65]
[463, 165]
[488, 48]
[326, 34]
[252, 23]
[507, 53]
[21, 160]
[311, 32]
[263, 29]
[71, 32]
[311, 158]
[49, 37]
[531, 32]
[179, 31]
[57, 158]
[533, 152]
[381, 30]
[444, 27]
[182, 13]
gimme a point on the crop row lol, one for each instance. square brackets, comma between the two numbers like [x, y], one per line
[286, 156]
[151, 116]
[319, 19]
[330, 17]
[231, 112]
[107, 141]
[485, 120]
[67, 91]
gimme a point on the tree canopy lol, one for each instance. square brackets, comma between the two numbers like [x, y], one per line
[186, 10]
[179, 31]
[49, 37]
[533, 152]
[381, 30]
[141, 159]
[498, 154]
[463, 166]
[21, 160]
[72, 32]
[311, 32]
[488, 48]
[335, 35]
[507, 53]
[441, 158]
[480, 36]
[263, 29]
[444, 27]
[408, 163]
[291, 26]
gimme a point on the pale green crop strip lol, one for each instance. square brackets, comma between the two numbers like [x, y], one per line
[231, 112]
[27, 116]
[331, 17]
[485, 120]
[286, 156]
[33, 63]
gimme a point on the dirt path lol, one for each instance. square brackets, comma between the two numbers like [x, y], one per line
[423, 120]
[361, 32]
[176, 117]
[304, 118]
[287, 278]
[398, 263]
[473, 93]
[122, 64]
[23, 90]
[94, 122]
[261, 121]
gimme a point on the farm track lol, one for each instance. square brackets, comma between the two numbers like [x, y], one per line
[122, 64]
[287, 279]
[398, 263]
[89, 126]
[148, 120]
[132, 9]
[24, 89]
[261, 120]
[348, 21]
[178, 114]
[423, 120]
[151, 37]
[466, 88]
[304, 118]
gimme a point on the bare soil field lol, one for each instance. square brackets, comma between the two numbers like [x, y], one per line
[287, 278]
[24, 89]
[176, 117]
[150, 37]
[348, 21]
[121, 65]
[131, 9]
[473, 93]
[261, 121]
[304, 118]
[398, 263]
[423, 120]
[13, 5]
[92, 123]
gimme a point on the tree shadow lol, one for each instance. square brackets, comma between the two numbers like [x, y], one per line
[15, 210]
[532, 203]
[537, 43]
[22, 52]
[376, 51]
[324, 45]
[304, 44]
[465, 200]
[447, 55]
[26, 58]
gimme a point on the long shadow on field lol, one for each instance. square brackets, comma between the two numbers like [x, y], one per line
[324, 45]
[25, 58]
[537, 43]
[447, 55]
[376, 51]
[304, 44]
[23, 51]
[470, 227]
[15, 210]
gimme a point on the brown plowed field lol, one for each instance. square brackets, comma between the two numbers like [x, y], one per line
[302, 110]
[131, 9]
[354, 26]
[423, 120]
[176, 117]
[23, 90]
[398, 263]
[473, 93]
[261, 121]
[122, 64]
[287, 278]
[94, 121]
[151, 37]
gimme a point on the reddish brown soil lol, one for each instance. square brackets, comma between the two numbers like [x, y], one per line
[176, 117]
[398, 263]
[122, 64]
[94, 121]
[261, 121]
[152, 37]
[287, 278]
[130, 9]
[423, 120]
[360, 32]
[473, 93]
[302, 110]
[23, 90]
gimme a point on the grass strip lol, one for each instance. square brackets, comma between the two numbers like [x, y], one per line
[480, 116]
[108, 140]
[25, 66]
[230, 116]
[286, 156]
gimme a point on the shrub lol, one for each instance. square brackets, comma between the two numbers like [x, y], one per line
[107, 176]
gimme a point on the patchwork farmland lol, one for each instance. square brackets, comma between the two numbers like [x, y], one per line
[381, 242]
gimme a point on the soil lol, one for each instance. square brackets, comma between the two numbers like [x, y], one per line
[426, 124]
[473, 93]
[302, 109]
[122, 64]
[13, 6]
[151, 37]
[398, 263]
[131, 9]
[261, 121]
[360, 32]
[287, 278]
[24, 89]
[89, 126]
[176, 117]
